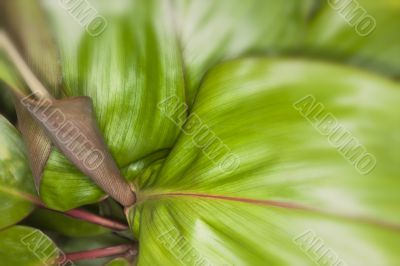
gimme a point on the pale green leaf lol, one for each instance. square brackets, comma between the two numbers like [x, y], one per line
[288, 178]
[212, 31]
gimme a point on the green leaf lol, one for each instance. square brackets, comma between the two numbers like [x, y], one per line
[16, 183]
[119, 262]
[127, 70]
[335, 34]
[21, 245]
[212, 31]
[63, 224]
[252, 174]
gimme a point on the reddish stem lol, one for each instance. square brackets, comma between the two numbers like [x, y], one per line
[103, 252]
[95, 219]
[86, 216]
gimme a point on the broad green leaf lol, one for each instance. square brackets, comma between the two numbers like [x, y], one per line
[343, 31]
[257, 167]
[127, 70]
[21, 245]
[16, 183]
[65, 225]
[212, 31]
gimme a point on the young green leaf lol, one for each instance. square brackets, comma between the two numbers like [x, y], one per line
[288, 179]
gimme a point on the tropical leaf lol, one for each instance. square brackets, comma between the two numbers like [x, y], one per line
[126, 70]
[362, 33]
[257, 168]
[16, 183]
[211, 31]
[21, 245]
[281, 161]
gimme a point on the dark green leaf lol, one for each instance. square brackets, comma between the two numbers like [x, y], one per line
[63, 224]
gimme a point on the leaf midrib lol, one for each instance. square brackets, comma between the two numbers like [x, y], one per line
[395, 227]
[18, 194]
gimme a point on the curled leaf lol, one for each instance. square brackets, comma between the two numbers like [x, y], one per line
[72, 127]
